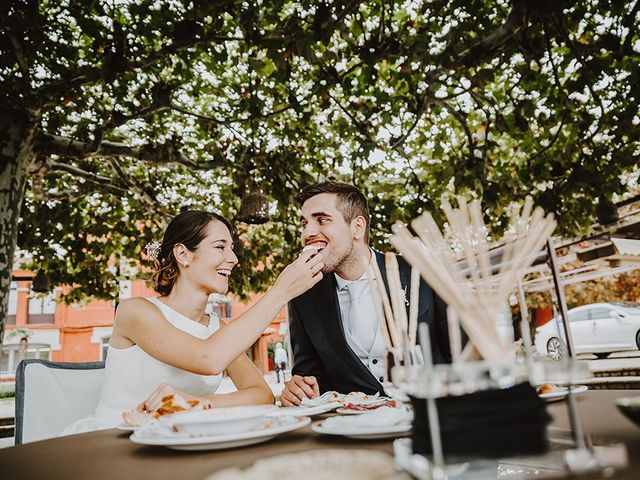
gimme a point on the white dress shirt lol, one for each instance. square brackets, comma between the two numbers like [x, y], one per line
[360, 322]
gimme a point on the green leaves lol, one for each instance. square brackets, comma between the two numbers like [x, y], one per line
[409, 100]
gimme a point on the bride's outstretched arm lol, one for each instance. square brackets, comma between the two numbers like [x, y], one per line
[143, 324]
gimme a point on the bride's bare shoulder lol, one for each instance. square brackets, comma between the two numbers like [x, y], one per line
[132, 308]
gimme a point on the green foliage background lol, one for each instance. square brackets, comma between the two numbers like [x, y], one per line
[149, 107]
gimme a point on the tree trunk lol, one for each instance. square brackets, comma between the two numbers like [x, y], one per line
[17, 139]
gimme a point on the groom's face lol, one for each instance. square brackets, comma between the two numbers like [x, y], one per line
[324, 226]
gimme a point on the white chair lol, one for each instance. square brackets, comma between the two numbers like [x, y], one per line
[51, 395]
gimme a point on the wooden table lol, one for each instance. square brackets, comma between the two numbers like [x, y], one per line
[108, 454]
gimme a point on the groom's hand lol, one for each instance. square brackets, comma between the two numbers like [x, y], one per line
[297, 389]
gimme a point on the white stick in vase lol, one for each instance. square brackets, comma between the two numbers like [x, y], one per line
[395, 290]
[377, 301]
[455, 340]
[414, 304]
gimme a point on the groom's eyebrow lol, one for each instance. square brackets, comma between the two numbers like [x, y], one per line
[317, 214]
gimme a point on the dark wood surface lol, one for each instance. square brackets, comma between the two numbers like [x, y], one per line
[109, 454]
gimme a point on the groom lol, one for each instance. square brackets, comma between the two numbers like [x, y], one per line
[335, 335]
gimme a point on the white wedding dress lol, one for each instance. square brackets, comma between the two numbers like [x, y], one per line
[131, 375]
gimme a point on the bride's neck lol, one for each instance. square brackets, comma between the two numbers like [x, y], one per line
[189, 302]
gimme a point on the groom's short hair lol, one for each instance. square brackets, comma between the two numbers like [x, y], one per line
[351, 202]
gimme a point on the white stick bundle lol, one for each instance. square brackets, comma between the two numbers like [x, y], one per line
[394, 332]
[462, 272]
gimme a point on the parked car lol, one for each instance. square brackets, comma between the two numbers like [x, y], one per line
[599, 328]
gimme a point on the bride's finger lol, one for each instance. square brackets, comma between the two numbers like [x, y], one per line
[317, 267]
[317, 258]
[307, 255]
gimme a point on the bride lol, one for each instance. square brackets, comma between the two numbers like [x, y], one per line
[167, 344]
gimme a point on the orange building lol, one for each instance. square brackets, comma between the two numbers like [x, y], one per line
[39, 327]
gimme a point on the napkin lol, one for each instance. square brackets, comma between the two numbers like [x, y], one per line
[382, 417]
[326, 397]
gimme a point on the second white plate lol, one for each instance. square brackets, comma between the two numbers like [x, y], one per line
[373, 433]
[302, 411]
[218, 442]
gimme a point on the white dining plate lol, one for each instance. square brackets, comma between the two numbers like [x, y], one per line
[274, 427]
[372, 433]
[561, 392]
[303, 411]
[127, 428]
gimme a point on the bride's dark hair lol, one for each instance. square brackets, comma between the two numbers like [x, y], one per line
[189, 229]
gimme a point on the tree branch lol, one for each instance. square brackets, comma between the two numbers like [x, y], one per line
[118, 120]
[59, 88]
[589, 86]
[92, 177]
[553, 140]
[21, 57]
[461, 120]
[151, 153]
[362, 129]
[516, 21]
[217, 121]
[145, 194]
[421, 109]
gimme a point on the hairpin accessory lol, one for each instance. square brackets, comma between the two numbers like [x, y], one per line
[153, 250]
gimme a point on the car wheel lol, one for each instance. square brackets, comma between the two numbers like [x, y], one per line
[638, 339]
[602, 355]
[555, 348]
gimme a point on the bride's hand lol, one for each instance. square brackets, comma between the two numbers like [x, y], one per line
[163, 391]
[301, 274]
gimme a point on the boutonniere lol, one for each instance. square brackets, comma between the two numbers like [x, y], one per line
[404, 296]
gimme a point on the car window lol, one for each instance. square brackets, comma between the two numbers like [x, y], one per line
[600, 313]
[579, 316]
[629, 308]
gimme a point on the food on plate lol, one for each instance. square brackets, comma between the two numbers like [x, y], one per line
[170, 404]
[136, 418]
[358, 397]
[547, 388]
[359, 407]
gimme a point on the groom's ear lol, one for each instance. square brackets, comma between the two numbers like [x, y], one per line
[359, 227]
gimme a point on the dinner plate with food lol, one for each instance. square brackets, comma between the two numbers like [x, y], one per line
[355, 408]
[161, 434]
[134, 419]
[550, 392]
[384, 422]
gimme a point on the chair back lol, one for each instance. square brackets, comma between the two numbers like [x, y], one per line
[52, 395]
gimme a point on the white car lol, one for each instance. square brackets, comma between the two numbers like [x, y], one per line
[599, 328]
